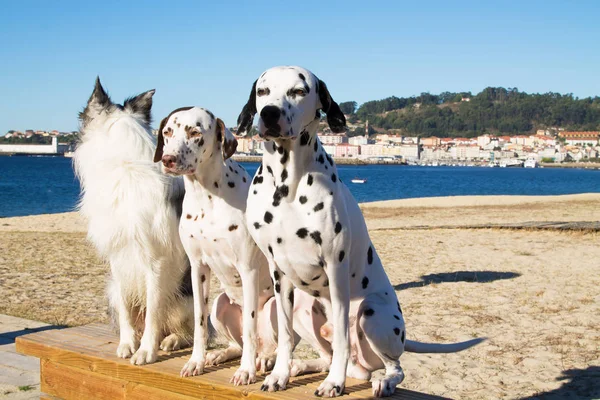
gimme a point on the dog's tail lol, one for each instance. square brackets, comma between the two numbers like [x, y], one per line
[412, 346]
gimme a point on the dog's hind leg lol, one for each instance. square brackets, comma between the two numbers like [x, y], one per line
[309, 318]
[180, 325]
[227, 321]
[128, 342]
[383, 327]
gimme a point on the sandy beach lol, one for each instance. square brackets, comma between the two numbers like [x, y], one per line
[522, 271]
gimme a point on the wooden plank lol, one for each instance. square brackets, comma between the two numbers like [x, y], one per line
[74, 383]
[92, 349]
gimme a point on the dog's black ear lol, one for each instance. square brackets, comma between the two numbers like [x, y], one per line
[141, 104]
[98, 102]
[335, 116]
[160, 142]
[225, 136]
[248, 112]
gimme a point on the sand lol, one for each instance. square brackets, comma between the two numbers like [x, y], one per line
[534, 293]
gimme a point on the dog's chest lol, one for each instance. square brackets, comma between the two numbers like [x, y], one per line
[297, 233]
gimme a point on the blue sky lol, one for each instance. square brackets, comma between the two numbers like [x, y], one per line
[209, 54]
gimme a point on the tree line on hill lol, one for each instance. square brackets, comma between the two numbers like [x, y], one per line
[494, 110]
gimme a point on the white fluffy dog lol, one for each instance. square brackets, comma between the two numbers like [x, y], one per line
[133, 213]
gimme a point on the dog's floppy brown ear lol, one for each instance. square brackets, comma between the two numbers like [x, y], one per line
[335, 116]
[248, 112]
[225, 136]
[160, 142]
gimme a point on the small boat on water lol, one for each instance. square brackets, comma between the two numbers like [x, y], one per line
[531, 163]
[358, 180]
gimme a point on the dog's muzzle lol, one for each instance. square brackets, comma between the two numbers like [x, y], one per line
[270, 117]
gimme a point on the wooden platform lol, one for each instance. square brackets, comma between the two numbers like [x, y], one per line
[80, 363]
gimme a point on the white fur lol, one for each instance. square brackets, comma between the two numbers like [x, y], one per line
[131, 209]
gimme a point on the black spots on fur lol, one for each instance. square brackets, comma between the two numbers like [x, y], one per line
[399, 308]
[397, 331]
[303, 199]
[212, 116]
[244, 179]
[231, 169]
[316, 236]
[302, 76]
[202, 278]
[201, 320]
[201, 142]
[285, 157]
[270, 170]
[321, 264]
[354, 275]
[316, 293]
[255, 192]
[365, 282]
[338, 227]
[252, 314]
[232, 227]
[334, 177]
[397, 317]
[304, 137]
[206, 300]
[316, 147]
[309, 181]
[321, 159]
[281, 192]
[217, 185]
[402, 337]
[256, 225]
[277, 287]
[189, 216]
[369, 312]
[370, 255]
[302, 233]
[319, 207]
[342, 255]
[279, 240]
[257, 180]
[271, 250]
[279, 149]
[260, 169]
[284, 175]
[231, 184]
[291, 297]
[276, 275]
[329, 160]
[268, 217]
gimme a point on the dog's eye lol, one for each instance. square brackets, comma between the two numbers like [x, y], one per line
[299, 92]
[195, 132]
[263, 92]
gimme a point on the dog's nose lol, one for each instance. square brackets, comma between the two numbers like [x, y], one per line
[169, 161]
[270, 116]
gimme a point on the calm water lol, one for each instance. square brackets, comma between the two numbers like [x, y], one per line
[40, 185]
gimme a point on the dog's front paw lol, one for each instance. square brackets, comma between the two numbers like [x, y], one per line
[126, 349]
[194, 366]
[386, 386]
[330, 388]
[243, 376]
[144, 356]
[275, 382]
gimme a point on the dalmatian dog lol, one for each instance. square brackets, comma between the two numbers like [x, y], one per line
[315, 238]
[195, 144]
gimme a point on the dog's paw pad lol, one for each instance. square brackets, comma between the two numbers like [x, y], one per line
[126, 349]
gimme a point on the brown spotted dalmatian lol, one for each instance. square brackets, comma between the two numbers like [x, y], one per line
[314, 236]
[195, 144]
